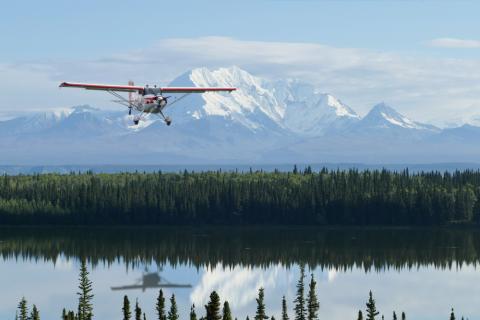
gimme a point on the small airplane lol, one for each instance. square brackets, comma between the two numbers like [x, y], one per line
[151, 280]
[147, 99]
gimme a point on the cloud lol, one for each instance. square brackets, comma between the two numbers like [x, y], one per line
[455, 43]
[424, 88]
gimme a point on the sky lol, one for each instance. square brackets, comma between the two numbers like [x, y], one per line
[341, 292]
[420, 56]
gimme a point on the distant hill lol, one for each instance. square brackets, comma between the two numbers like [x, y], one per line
[264, 122]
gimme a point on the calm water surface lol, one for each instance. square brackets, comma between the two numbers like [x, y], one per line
[422, 272]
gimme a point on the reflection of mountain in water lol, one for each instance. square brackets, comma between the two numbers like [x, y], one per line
[151, 280]
[328, 248]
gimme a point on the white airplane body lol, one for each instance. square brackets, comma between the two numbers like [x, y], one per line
[145, 99]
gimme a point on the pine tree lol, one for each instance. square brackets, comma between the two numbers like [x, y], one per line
[213, 307]
[284, 309]
[22, 309]
[144, 316]
[173, 312]
[312, 301]
[272, 318]
[452, 315]
[371, 309]
[138, 311]
[300, 309]
[360, 315]
[85, 296]
[227, 313]
[161, 306]
[403, 316]
[394, 316]
[193, 315]
[35, 314]
[127, 314]
[260, 315]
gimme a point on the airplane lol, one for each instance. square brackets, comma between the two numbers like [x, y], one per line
[147, 99]
[151, 280]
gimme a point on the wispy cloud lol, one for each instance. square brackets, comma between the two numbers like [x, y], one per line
[422, 87]
[454, 43]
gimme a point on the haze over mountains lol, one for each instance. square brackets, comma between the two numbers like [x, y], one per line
[264, 121]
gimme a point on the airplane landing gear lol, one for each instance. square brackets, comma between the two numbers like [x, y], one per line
[168, 121]
[136, 120]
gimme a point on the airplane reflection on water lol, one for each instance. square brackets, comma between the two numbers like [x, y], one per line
[151, 280]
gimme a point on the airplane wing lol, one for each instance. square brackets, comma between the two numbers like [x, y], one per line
[102, 87]
[194, 89]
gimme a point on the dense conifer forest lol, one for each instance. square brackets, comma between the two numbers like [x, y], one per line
[253, 198]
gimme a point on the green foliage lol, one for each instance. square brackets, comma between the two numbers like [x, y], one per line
[213, 307]
[193, 315]
[227, 313]
[35, 314]
[371, 308]
[138, 311]
[284, 309]
[23, 309]
[312, 301]
[300, 309]
[360, 315]
[261, 312]
[160, 306]
[85, 296]
[310, 198]
[173, 312]
[127, 314]
[452, 315]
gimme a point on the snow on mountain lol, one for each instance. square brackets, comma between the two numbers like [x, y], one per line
[259, 104]
[263, 121]
[383, 116]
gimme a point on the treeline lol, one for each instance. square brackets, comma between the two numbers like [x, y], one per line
[295, 198]
[306, 305]
[336, 248]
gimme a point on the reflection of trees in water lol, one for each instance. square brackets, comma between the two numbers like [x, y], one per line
[342, 249]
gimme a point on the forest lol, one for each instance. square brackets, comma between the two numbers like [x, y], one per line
[341, 197]
[306, 305]
[339, 248]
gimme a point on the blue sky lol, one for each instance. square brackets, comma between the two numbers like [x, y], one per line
[45, 42]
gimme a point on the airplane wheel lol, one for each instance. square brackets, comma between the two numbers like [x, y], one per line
[135, 122]
[168, 121]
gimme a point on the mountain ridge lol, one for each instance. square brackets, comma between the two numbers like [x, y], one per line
[263, 121]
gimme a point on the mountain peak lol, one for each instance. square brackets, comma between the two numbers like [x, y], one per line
[384, 116]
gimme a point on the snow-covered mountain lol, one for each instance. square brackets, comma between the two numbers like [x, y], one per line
[262, 122]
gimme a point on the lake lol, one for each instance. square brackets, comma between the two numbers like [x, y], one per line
[423, 272]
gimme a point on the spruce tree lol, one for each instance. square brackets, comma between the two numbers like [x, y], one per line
[127, 314]
[213, 307]
[261, 313]
[227, 313]
[300, 309]
[144, 316]
[284, 309]
[160, 306]
[193, 315]
[360, 315]
[138, 311]
[394, 316]
[403, 316]
[173, 312]
[452, 315]
[35, 314]
[312, 301]
[22, 309]
[85, 296]
[371, 309]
